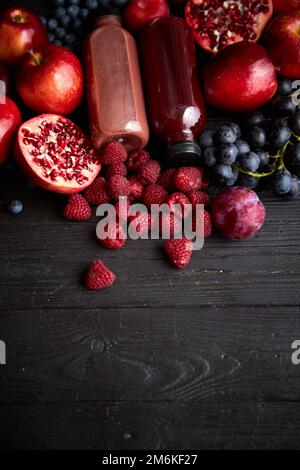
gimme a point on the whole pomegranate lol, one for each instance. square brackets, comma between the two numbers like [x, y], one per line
[216, 23]
[241, 77]
[10, 119]
[50, 80]
[138, 12]
[238, 213]
[285, 6]
[56, 155]
[5, 80]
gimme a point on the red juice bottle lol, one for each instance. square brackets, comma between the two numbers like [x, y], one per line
[175, 104]
[114, 86]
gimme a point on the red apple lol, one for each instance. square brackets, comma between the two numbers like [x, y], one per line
[284, 6]
[50, 80]
[20, 30]
[5, 80]
[241, 77]
[282, 39]
[138, 12]
[10, 120]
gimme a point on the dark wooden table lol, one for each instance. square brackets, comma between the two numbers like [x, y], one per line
[166, 359]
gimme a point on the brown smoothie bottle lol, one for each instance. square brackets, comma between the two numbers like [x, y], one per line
[114, 86]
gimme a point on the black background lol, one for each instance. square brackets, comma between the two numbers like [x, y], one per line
[165, 359]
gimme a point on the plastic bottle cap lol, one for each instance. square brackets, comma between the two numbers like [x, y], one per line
[184, 153]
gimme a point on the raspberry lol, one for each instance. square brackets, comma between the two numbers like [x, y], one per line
[113, 153]
[137, 159]
[154, 194]
[118, 186]
[122, 210]
[179, 251]
[141, 222]
[149, 172]
[166, 180]
[113, 236]
[117, 169]
[188, 178]
[169, 225]
[99, 276]
[77, 208]
[96, 193]
[207, 224]
[181, 200]
[198, 197]
[136, 187]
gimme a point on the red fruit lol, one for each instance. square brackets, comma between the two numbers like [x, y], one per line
[179, 251]
[238, 213]
[282, 41]
[141, 222]
[188, 179]
[206, 225]
[122, 209]
[285, 6]
[56, 155]
[137, 159]
[118, 186]
[50, 80]
[179, 199]
[113, 153]
[166, 180]
[10, 120]
[170, 224]
[149, 172]
[198, 197]
[241, 77]
[114, 236]
[138, 12]
[137, 187]
[5, 81]
[99, 276]
[117, 169]
[20, 31]
[77, 208]
[97, 193]
[215, 23]
[154, 194]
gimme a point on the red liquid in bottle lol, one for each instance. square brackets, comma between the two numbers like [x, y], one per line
[175, 104]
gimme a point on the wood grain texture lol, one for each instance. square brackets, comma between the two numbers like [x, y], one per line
[166, 359]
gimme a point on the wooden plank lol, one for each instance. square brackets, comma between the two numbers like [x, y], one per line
[212, 354]
[133, 426]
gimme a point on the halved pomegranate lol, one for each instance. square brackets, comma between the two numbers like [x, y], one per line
[56, 155]
[217, 23]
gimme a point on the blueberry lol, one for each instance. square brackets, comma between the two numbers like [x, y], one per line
[209, 156]
[285, 87]
[60, 33]
[15, 207]
[295, 189]
[120, 3]
[58, 42]
[59, 3]
[248, 181]
[74, 2]
[222, 173]
[257, 137]
[249, 162]
[225, 135]
[51, 37]
[264, 158]
[236, 129]
[254, 118]
[282, 182]
[60, 12]
[65, 21]
[242, 146]
[84, 13]
[294, 123]
[77, 26]
[227, 153]
[283, 105]
[206, 139]
[91, 4]
[70, 39]
[73, 11]
[279, 134]
[52, 24]
[43, 20]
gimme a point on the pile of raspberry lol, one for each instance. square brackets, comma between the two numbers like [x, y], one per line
[138, 177]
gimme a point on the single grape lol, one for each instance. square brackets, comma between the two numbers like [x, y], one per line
[227, 153]
[282, 182]
[225, 135]
[209, 156]
[249, 162]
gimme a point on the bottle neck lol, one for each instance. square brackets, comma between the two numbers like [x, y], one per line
[107, 20]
